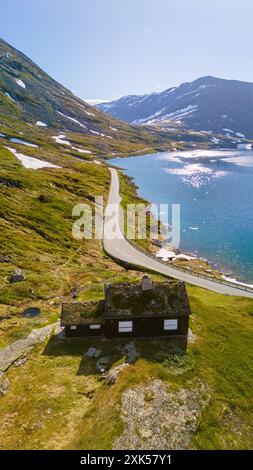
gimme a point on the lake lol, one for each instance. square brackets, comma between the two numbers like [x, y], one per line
[215, 191]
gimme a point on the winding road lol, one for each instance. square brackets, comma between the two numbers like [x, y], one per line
[116, 245]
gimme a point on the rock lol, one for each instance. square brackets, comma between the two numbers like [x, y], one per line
[4, 387]
[157, 242]
[93, 352]
[97, 353]
[132, 357]
[113, 374]
[20, 361]
[102, 363]
[131, 353]
[32, 293]
[17, 276]
[191, 337]
[167, 422]
[61, 335]
[5, 259]
[15, 351]
[43, 198]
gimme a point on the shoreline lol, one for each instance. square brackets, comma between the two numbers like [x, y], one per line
[209, 268]
[182, 258]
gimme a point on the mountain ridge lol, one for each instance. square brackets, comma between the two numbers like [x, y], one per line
[31, 97]
[206, 104]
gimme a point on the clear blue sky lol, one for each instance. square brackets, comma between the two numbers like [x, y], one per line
[103, 49]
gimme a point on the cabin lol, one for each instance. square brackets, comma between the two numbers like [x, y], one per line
[143, 309]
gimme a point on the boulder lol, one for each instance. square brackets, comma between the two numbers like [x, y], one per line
[113, 374]
[43, 198]
[4, 387]
[17, 276]
[5, 259]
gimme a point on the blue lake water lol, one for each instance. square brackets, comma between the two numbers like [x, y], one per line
[215, 191]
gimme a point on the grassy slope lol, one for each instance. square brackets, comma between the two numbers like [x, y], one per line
[56, 400]
[38, 238]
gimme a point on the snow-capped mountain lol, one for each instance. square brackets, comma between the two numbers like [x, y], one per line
[206, 104]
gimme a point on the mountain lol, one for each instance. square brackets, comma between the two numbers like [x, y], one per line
[30, 97]
[206, 104]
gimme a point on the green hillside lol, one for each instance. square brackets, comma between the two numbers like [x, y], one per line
[55, 397]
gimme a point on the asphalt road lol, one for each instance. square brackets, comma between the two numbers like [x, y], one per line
[118, 247]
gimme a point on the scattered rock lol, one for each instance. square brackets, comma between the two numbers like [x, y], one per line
[9, 183]
[74, 294]
[113, 373]
[93, 352]
[191, 337]
[21, 361]
[16, 350]
[102, 363]
[165, 422]
[32, 293]
[89, 394]
[5, 259]
[17, 276]
[131, 353]
[4, 387]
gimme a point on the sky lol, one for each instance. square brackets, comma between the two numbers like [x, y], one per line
[104, 49]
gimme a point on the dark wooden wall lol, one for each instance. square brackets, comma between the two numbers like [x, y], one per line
[147, 327]
[142, 327]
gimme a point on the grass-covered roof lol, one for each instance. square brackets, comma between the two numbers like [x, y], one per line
[82, 313]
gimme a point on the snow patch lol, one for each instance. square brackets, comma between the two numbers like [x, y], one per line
[215, 140]
[61, 139]
[20, 83]
[41, 124]
[72, 119]
[240, 135]
[31, 162]
[10, 97]
[80, 150]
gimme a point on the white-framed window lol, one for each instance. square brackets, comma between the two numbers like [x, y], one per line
[125, 326]
[95, 327]
[73, 327]
[170, 324]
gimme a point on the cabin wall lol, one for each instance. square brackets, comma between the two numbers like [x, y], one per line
[142, 327]
[146, 327]
[83, 331]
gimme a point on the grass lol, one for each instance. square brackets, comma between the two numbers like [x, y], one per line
[50, 391]
[36, 236]
[56, 399]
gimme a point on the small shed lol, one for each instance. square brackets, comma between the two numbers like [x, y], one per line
[144, 309]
